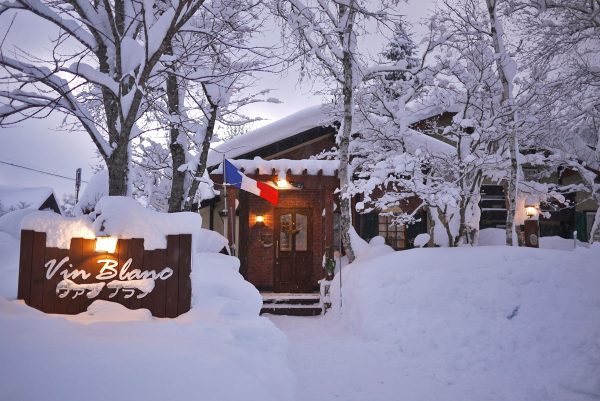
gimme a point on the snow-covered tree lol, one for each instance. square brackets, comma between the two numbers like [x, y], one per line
[463, 72]
[213, 62]
[103, 73]
[325, 35]
[562, 39]
[446, 169]
[393, 164]
[401, 51]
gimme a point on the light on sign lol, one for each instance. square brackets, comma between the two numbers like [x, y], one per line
[106, 244]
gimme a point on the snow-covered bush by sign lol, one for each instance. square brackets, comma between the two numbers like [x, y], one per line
[124, 217]
[94, 190]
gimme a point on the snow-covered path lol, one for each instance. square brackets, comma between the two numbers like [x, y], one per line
[332, 364]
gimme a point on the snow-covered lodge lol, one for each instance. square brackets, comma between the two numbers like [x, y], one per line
[281, 247]
[37, 198]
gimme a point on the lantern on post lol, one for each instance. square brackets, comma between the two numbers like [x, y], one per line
[530, 211]
[532, 227]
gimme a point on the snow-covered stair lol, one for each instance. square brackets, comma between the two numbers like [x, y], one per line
[308, 304]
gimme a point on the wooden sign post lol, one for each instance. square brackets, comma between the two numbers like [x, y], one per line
[67, 281]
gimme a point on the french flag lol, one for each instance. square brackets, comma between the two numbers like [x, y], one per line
[239, 180]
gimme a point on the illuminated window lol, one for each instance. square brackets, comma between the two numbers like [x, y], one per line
[395, 235]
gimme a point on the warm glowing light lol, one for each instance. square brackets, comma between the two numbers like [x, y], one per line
[260, 219]
[106, 244]
[281, 180]
[530, 211]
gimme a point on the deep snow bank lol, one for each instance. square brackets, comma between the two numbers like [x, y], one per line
[220, 350]
[491, 322]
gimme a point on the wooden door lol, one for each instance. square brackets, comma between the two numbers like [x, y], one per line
[293, 250]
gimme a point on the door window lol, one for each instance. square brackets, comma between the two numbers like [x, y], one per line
[301, 232]
[285, 233]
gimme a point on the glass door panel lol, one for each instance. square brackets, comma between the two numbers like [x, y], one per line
[301, 232]
[285, 233]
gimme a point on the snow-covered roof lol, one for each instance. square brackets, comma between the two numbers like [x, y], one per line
[310, 117]
[419, 111]
[318, 116]
[13, 197]
[417, 140]
[297, 167]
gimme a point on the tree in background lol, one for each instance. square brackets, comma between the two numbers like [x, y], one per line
[401, 51]
[324, 36]
[103, 73]
[208, 84]
[562, 43]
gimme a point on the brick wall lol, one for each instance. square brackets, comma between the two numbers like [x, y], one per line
[257, 244]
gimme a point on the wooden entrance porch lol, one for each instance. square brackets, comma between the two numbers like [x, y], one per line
[281, 247]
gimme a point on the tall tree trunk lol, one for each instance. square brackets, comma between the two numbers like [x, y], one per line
[344, 139]
[118, 168]
[595, 231]
[430, 227]
[511, 188]
[177, 150]
[446, 224]
[201, 168]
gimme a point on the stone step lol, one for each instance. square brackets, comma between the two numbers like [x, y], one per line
[294, 304]
[292, 310]
[290, 299]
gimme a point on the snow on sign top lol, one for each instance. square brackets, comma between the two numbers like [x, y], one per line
[293, 124]
[119, 217]
[19, 197]
[124, 217]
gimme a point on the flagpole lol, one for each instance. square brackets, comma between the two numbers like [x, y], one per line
[229, 221]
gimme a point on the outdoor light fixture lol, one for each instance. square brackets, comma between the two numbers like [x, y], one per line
[263, 234]
[106, 243]
[530, 210]
[281, 180]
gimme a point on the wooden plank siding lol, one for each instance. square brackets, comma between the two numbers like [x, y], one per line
[170, 297]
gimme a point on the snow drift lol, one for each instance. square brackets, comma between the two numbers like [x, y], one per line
[220, 350]
[491, 322]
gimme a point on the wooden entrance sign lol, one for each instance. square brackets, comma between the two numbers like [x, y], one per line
[67, 281]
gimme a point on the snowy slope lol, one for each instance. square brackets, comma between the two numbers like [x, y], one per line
[488, 323]
[220, 350]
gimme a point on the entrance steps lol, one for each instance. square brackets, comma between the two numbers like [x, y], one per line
[294, 304]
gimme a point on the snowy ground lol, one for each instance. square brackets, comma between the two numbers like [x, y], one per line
[468, 324]
[331, 363]
[220, 350]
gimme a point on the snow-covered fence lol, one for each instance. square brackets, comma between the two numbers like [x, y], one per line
[67, 281]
